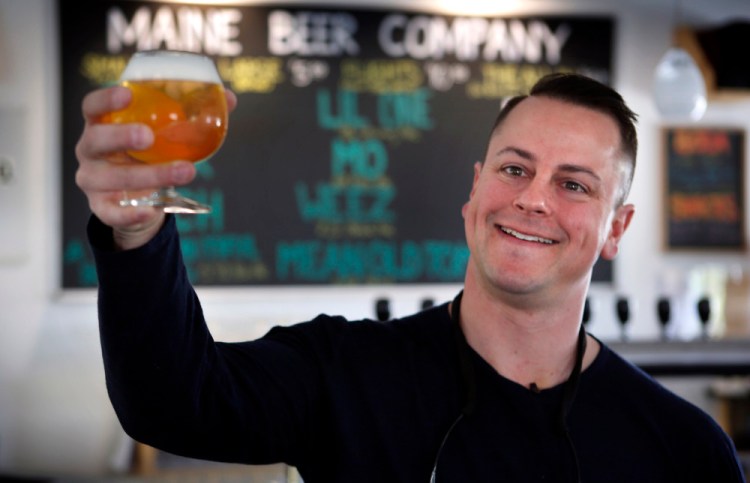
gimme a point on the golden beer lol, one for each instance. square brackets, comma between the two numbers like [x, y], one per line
[188, 118]
[179, 95]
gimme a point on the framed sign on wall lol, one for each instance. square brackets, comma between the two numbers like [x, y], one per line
[350, 153]
[705, 193]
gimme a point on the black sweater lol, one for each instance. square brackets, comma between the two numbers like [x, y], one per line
[368, 401]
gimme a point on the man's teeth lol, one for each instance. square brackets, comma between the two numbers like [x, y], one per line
[522, 236]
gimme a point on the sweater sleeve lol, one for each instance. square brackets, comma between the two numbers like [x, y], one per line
[170, 384]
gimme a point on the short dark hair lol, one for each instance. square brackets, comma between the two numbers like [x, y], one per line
[586, 92]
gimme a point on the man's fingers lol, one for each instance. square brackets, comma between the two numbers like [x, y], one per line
[108, 209]
[102, 101]
[99, 141]
[104, 176]
[231, 99]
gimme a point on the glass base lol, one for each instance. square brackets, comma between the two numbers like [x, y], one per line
[169, 200]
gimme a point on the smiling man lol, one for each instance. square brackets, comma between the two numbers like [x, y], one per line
[547, 201]
[501, 384]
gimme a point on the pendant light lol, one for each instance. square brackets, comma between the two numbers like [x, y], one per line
[679, 88]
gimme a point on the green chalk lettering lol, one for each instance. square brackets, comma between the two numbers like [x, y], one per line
[410, 109]
[365, 159]
[321, 205]
[347, 114]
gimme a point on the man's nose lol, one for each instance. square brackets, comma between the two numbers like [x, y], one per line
[534, 198]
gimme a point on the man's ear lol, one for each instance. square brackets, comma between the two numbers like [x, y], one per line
[620, 222]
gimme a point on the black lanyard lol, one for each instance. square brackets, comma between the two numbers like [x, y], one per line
[468, 376]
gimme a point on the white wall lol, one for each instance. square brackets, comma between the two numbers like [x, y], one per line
[55, 418]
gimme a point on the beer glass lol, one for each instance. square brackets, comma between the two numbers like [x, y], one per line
[179, 95]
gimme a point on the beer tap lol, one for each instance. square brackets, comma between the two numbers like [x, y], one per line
[382, 309]
[663, 310]
[623, 316]
[704, 313]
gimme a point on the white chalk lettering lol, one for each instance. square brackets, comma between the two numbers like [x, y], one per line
[387, 37]
[468, 38]
[213, 31]
[311, 34]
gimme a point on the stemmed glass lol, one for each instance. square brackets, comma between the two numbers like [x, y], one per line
[181, 97]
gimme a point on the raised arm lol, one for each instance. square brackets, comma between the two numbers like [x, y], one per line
[170, 384]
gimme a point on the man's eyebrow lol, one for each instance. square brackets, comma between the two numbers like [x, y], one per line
[517, 151]
[575, 168]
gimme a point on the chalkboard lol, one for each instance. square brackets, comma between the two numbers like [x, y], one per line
[705, 188]
[351, 152]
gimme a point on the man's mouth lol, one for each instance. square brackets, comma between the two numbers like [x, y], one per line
[525, 237]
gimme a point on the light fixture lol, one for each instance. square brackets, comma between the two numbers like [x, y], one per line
[679, 88]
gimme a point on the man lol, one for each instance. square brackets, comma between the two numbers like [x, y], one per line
[502, 384]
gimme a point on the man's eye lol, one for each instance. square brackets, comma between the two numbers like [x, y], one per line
[513, 170]
[573, 186]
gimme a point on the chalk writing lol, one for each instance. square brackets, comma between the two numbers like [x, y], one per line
[251, 74]
[338, 204]
[308, 33]
[381, 75]
[335, 231]
[341, 112]
[405, 110]
[500, 80]
[214, 31]
[304, 72]
[102, 69]
[314, 260]
[77, 257]
[222, 246]
[686, 143]
[472, 38]
[366, 160]
[229, 272]
[722, 207]
[441, 76]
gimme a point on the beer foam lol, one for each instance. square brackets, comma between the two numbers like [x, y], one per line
[170, 65]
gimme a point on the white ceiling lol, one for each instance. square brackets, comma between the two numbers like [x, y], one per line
[699, 13]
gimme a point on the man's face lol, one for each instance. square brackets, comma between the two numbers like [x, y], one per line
[541, 208]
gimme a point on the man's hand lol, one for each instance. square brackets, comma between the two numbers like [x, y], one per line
[105, 171]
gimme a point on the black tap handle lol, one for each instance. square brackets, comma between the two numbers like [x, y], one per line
[623, 315]
[623, 310]
[382, 309]
[427, 303]
[704, 310]
[704, 313]
[664, 312]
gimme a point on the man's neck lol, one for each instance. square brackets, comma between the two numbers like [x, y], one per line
[526, 346]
